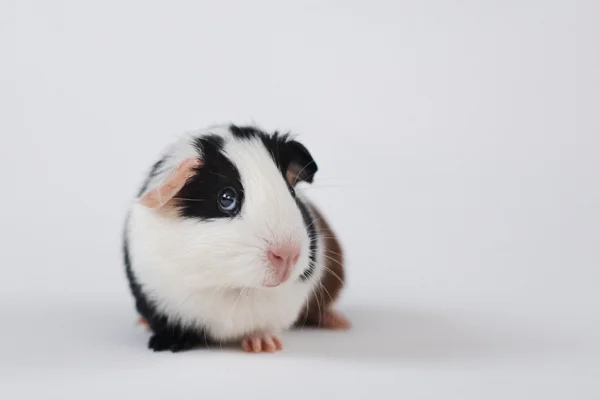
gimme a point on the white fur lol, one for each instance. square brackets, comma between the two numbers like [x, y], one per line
[209, 274]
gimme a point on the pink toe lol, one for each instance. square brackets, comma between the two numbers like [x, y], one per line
[269, 344]
[257, 344]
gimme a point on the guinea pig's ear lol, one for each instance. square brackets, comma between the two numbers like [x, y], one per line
[162, 194]
[302, 166]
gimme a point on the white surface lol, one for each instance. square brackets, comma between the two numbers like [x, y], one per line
[458, 145]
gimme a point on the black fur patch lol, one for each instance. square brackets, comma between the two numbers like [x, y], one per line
[287, 153]
[199, 197]
[246, 132]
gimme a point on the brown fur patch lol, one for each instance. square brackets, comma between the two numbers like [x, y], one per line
[332, 282]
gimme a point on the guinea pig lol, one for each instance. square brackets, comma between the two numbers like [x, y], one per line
[221, 246]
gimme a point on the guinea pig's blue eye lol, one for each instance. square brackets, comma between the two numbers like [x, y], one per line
[228, 200]
[292, 192]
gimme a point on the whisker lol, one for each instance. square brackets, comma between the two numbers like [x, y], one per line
[333, 252]
[323, 229]
[329, 270]
[318, 303]
[241, 271]
[322, 237]
[324, 187]
[314, 220]
[217, 174]
[335, 275]
[257, 302]
[326, 291]
[328, 178]
[306, 311]
[334, 260]
[242, 291]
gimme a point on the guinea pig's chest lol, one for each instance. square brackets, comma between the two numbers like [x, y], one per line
[232, 313]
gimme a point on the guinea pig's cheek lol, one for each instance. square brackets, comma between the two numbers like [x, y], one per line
[303, 263]
[248, 275]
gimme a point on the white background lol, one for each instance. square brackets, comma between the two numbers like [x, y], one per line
[458, 145]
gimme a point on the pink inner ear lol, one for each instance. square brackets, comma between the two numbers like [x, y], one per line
[158, 197]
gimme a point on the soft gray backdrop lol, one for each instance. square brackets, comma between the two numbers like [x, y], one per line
[459, 153]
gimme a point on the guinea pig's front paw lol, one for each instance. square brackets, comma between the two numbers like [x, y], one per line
[261, 343]
[166, 342]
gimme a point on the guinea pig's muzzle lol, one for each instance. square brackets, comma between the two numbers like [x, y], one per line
[282, 259]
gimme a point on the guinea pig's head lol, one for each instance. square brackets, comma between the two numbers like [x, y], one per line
[235, 219]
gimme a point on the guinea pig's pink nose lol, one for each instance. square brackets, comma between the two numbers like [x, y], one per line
[283, 256]
[283, 259]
